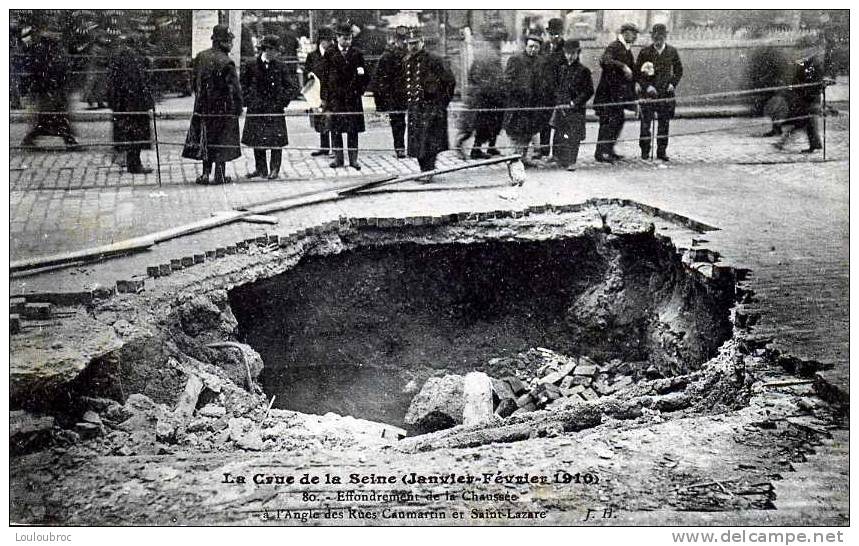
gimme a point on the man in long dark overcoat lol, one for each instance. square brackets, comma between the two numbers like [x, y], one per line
[129, 95]
[313, 65]
[574, 87]
[429, 89]
[213, 136]
[617, 85]
[804, 100]
[389, 88]
[484, 115]
[268, 86]
[48, 71]
[344, 81]
[658, 71]
[552, 59]
[525, 79]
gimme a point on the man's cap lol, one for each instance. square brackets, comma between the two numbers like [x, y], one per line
[534, 37]
[401, 32]
[222, 32]
[659, 29]
[572, 45]
[270, 42]
[628, 26]
[325, 33]
[343, 29]
[415, 35]
[556, 26]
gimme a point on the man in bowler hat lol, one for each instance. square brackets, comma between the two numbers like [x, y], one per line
[344, 80]
[617, 85]
[268, 86]
[658, 71]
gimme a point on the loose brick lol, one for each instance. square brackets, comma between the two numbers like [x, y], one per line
[176, 265]
[262, 240]
[187, 261]
[16, 305]
[242, 246]
[506, 407]
[589, 395]
[524, 400]
[15, 324]
[273, 239]
[210, 255]
[135, 285]
[153, 271]
[586, 369]
[220, 252]
[199, 258]
[515, 384]
[566, 382]
[165, 270]
[232, 249]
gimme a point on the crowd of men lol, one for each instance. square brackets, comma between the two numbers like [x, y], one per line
[540, 95]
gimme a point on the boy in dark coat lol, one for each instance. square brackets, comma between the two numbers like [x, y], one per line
[617, 84]
[574, 87]
[129, 90]
[344, 80]
[313, 65]
[267, 87]
[389, 88]
[658, 71]
[484, 117]
[429, 89]
[213, 136]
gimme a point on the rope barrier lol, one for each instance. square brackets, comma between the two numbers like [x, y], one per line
[637, 102]
[96, 144]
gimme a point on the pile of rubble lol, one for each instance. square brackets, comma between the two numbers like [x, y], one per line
[540, 379]
[559, 380]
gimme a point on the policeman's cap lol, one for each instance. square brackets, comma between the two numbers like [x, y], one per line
[415, 35]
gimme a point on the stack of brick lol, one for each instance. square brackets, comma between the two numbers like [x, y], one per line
[558, 378]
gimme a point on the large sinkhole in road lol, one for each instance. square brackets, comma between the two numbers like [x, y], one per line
[357, 333]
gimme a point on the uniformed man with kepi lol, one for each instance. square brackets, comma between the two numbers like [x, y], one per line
[429, 89]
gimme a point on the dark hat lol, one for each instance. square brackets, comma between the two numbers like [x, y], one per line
[270, 42]
[221, 32]
[628, 26]
[325, 33]
[343, 29]
[415, 35]
[659, 28]
[401, 32]
[534, 37]
[572, 45]
[556, 26]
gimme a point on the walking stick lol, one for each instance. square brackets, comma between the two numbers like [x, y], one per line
[653, 137]
[824, 121]
[157, 150]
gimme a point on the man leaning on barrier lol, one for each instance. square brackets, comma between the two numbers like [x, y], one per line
[658, 71]
[213, 136]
